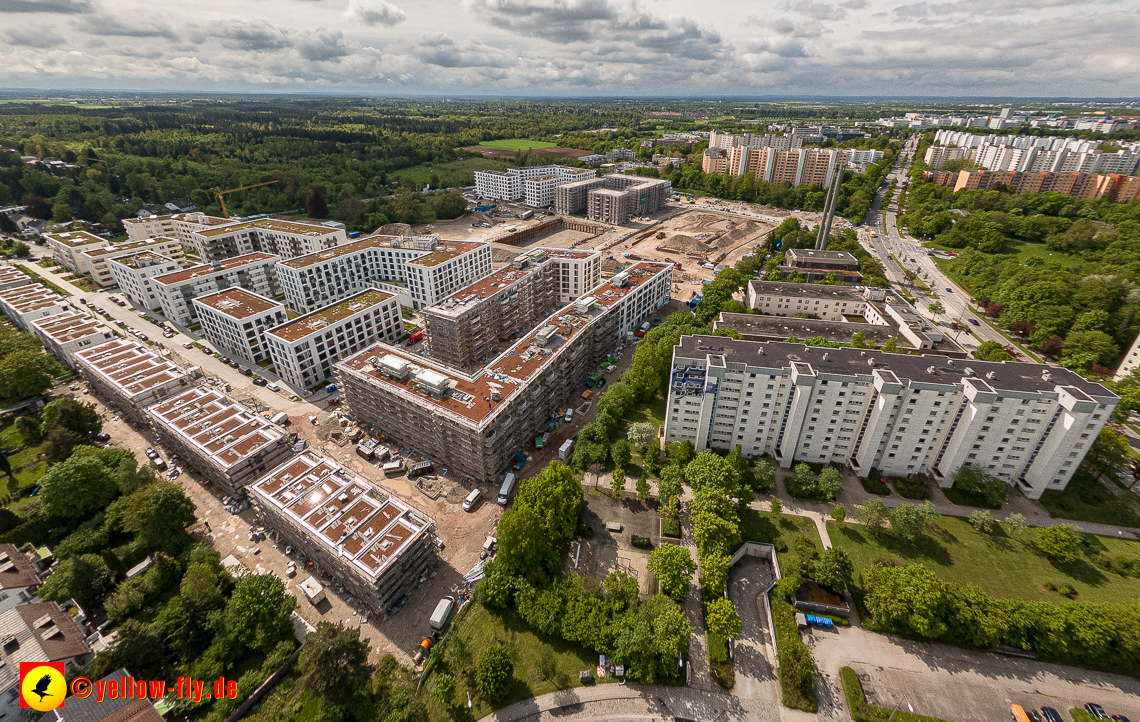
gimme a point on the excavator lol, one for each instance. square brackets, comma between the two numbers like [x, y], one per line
[220, 194]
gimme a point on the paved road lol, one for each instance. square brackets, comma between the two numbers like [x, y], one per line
[753, 653]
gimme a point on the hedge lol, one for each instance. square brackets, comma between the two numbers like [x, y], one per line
[797, 670]
[863, 712]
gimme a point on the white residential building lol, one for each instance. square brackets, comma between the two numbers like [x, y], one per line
[287, 239]
[512, 184]
[254, 272]
[65, 333]
[235, 320]
[11, 277]
[24, 304]
[1028, 424]
[180, 226]
[1131, 360]
[66, 247]
[426, 267]
[304, 349]
[131, 375]
[95, 261]
[133, 274]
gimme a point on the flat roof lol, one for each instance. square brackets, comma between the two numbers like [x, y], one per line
[75, 239]
[810, 253]
[217, 426]
[129, 366]
[470, 396]
[9, 273]
[925, 368]
[208, 269]
[808, 290]
[445, 252]
[322, 318]
[272, 224]
[748, 324]
[342, 512]
[504, 278]
[347, 249]
[128, 246]
[30, 297]
[70, 326]
[238, 303]
[142, 259]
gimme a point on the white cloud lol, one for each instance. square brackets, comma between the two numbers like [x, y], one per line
[374, 12]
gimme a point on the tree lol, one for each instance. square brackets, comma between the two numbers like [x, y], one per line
[76, 488]
[622, 453]
[1096, 344]
[829, 483]
[891, 345]
[26, 373]
[82, 578]
[643, 488]
[776, 506]
[617, 483]
[407, 206]
[669, 483]
[495, 674]
[681, 453]
[721, 618]
[1109, 453]
[674, 567]
[524, 547]
[908, 600]
[315, 204]
[834, 569]
[158, 515]
[839, 513]
[335, 661]
[37, 207]
[257, 613]
[651, 643]
[907, 521]
[61, 443]
[977, 482]
[982, 520]
[29, 428]
[444, 688]
[1061, 542]
[641, 434]
[449, 204]
[671, 509]
[711, 470]
[872, 513]
[991, 351]
[1017, 523]
[714, 569]
[763, 477]
[69, 414]
[555, 494]
[137, 644]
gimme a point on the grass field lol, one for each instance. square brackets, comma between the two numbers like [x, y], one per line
[1002, 565]
[542, 664]
[516, 144]
[1085, 499]
[455, 174]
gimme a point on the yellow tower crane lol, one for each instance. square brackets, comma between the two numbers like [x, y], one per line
[220, 194]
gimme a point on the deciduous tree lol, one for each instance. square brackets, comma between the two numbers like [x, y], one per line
[721, 618]
[335, 661]
[1061, 542]
[673, 566]
[495, 674]
[76, 488]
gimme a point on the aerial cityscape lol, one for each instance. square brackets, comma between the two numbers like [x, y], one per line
[569, 360]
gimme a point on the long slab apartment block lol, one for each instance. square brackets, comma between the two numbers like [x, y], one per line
[180, 226]
[130, 375]
[96, 262]
[176, 291]
[11, 277]
[304, 349]
[24, 304]
[236, 320]
[134, 272]
[535, 184]
[66, 333]
[370, 542]
[219, 438]
[66, 247]
[287, 239]
[1028, 424]
[475, 423]
[429, 268]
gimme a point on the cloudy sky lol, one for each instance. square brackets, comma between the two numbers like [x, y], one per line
[577, 47]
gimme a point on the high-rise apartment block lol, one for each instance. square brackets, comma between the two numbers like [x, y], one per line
[254, 272]
[798, 166]
[468, 328]
[287, 239]
[304, 349]
[236, 320]
[1028, 424]
[474, 424]
[133, 274]
[535, 184]
[426, 268]
[612, 198]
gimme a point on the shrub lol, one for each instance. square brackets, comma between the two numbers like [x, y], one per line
[777, 507]
[671, 528]
[640, 542]
[839, 513]
[1061, 543]
[495, 674]
[797, 670]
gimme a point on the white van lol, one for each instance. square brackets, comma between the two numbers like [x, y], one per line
[569, 416]
[506, 489]
[472, 500]
[392, 466]
[442, 613]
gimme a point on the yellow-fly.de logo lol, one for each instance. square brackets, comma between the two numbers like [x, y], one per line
[42, 685]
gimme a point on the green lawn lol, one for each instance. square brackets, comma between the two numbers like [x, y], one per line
[1003, 566]
[516, 144]
[542, 664]
[451, 175]
[1085, 499]
[780, 530]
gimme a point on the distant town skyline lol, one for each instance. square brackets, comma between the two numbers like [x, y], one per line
[974, 48]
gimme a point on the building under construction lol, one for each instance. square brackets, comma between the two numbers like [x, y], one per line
[474, 324]
[475, 424]
[613, 198]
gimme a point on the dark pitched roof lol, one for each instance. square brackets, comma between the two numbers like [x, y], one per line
[109, 710]
[67, 643]
[16, 570]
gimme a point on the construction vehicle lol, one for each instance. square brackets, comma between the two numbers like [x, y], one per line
[221, 194]
[660, 234]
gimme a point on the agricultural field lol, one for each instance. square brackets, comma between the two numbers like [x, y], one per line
[516, 144]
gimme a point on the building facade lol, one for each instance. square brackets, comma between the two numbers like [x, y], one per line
[219, 437]
[130, 375]
[96, 261]
[533, 183]
[133, 274]
[65, 333]
[180, 226]
[66, 247]
[1028, 424]
[235, 320]
[255, 272]
[287, 239]
[304, 349]
[370, 542]
[11, 277]
[612, 198]
[24, 304]
[35, 634]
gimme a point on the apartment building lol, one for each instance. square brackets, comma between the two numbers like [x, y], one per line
[130, 375]
[180, 226]
[66, 247]
[534, 183]
[472, 325]
[65, 333]
[368, 541]
[11, 277]
[24, 304]
[304, 349]
[38, 634]
[937, 156]
[612, 198]
[255, 272]
[1028, 424]
[474, 424]
[219, 438]
[726, 141]
[133, 274]
[1086, 186]
[19, 578]
[1130, 362]
[798, 166]
[429, 268]
[287, 239]
[236, 320]
[754, 327]
[814, 265]
[96, 261]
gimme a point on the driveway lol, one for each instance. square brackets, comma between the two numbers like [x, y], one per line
[752, 651]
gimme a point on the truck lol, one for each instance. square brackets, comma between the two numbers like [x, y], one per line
[367, 448]
[564, 450]
[506, 489]
[281, 419]
[526, 215]
[422, 467]
[415, 338]
[442, 614]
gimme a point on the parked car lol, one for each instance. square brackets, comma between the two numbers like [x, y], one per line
[472, 500]
[103, 437]
[84, 302]
[1120, 718]
[225, 360]
[235, 365]
[1051, 715]
[187, 344]
[206, 350]
[168, 334]
[272, 387]
[260, 382]
[949, 290]
[1096, 710]
[151, 453]
[246, 372]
